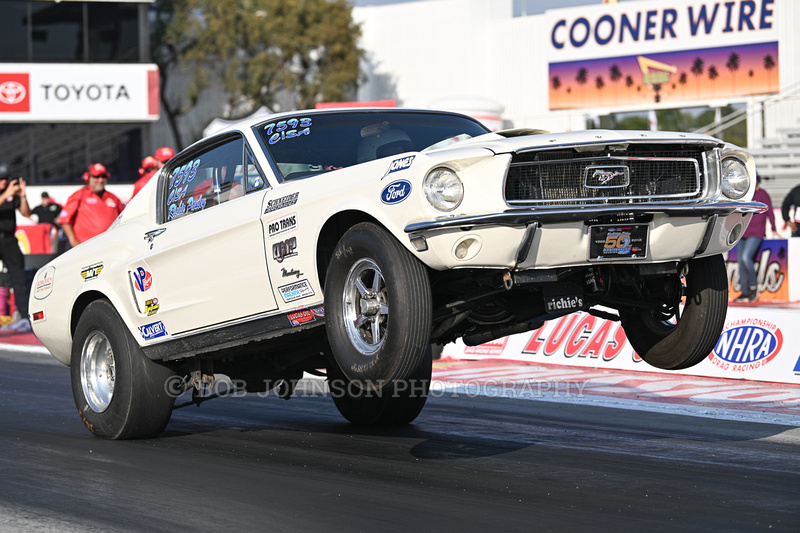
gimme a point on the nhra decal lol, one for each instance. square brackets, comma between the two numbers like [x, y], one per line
[579, 334]
[747, 344]
[151, 306]
[142, 279]
[44, 284]
[153, 331]
[280, 203]
[296, 291]
[288, 129]
[400, 164]
[318, 311]
[282, 225]
[282, 250]
[91, 272]
[304, 316]
[396, 192]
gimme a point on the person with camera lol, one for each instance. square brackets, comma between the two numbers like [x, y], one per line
[13, 199]
[91, 209]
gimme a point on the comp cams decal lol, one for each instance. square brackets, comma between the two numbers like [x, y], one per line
[296, 291]
[396, 192]
[91, 272]
[747, 344]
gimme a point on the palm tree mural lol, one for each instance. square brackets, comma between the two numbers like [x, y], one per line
[698, 66]
[556, 83]
[599, 84]
[713, 74]
[615, 74]
[769, 64]
[582, 78]
[682, 79]
[733, 66]
[629, 83]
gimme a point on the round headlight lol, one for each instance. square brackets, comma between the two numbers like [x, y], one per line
[735, 179]
[443, 189]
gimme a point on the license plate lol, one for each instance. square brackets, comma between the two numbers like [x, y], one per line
[609, 243]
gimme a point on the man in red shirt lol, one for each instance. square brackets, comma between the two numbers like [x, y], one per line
[150, 166]
[91, 209]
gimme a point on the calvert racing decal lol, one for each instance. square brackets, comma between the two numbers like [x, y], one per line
[296, 291]
[91, 272]
[44, 283]
[280, 203]
[396, 192]
[153, 331]
[142, 279]
[747, 344]
[303, 316]
[400, 164]
[282, 225]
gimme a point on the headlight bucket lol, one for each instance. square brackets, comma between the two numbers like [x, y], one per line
[735, 178]
[443, 189]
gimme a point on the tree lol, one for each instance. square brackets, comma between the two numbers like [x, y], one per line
[733, 65]
[298, 52]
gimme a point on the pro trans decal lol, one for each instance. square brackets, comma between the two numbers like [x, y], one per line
[747, 344]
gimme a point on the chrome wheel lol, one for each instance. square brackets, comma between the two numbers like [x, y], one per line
[97, 371]
[365, 306]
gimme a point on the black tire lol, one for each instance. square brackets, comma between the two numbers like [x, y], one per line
[119, 392]
[378, 308]
[396, 405]
[675, 346]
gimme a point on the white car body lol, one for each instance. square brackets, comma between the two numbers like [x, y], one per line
[239, 276]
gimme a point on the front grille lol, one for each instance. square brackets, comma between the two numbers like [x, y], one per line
[639, 174]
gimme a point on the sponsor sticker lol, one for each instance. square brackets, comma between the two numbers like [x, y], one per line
[282, 202]
[44, 283]
[400, 164]
[153, 331]
[303, 316]
[91, 272]
[296, 291]
[151, 306]
[15, 92]
[282, 250]
[142, 279]
[319, 310]
[396, 192]
[747, 344]
[282, 225]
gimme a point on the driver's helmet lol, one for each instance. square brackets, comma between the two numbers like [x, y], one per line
[388, 142]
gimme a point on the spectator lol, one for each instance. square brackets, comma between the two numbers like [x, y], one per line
[791, 203]
[150, 166]
[750, 243]
[12, 198]
[47, 212]
[91, 209]
[164, 154]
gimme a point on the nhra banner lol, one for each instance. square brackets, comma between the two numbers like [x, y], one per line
[766, 348]
[55, 92]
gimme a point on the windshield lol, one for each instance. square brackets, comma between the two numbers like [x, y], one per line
[310, 144]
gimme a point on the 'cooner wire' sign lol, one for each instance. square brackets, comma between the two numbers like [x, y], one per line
[49, 92]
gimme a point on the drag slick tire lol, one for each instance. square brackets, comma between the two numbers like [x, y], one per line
[119, 392]
[395, 405]
[378, 308]
[690, 335]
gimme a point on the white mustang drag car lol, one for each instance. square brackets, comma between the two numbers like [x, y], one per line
[352, 240]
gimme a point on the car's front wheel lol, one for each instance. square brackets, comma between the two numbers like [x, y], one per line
[687, 336]
[378, 308]
[120, 394]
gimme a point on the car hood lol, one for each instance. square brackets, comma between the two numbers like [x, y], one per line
[522, 140]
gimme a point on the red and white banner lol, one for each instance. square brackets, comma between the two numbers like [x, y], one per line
[56, 92]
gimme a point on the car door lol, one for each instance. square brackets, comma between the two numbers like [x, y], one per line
[206, 262]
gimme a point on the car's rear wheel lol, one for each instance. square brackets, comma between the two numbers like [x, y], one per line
[688, 336]
[378, 308]
[120, 394]
[395, 405]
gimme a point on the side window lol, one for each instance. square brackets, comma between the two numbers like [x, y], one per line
[209, 178]
[254, 180]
